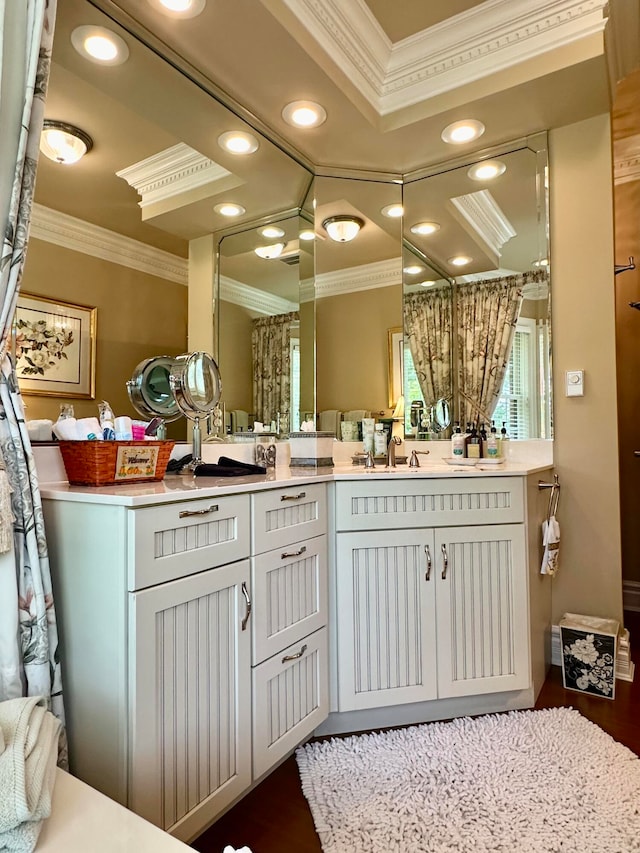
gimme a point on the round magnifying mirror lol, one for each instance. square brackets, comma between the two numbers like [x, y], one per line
[195, 381]
[441, 413]
[150, 391]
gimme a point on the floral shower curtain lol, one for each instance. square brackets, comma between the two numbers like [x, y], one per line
[427, 323]
[271, 348]
[487, 315]
[28, 634]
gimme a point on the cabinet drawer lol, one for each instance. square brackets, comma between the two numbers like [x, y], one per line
[174, 540]
[376, 505]
[289, 587]
[283, 516]
[290, 699]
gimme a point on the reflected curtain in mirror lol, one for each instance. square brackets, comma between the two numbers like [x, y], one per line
[428, 321]
[271, 349]
[487, 316]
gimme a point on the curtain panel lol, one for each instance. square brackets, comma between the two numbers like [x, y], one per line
[271, 350]
[428, 320]
[29, 663]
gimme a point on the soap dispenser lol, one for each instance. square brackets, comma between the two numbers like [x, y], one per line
[492, 446]
[457, 442]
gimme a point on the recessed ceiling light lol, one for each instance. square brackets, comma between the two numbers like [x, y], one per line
[412, 269]
[100, 45]
[344, 228]
[179, 8]
[393, 211]
[425, 228]
[462, 131]
[229, 209]
[543, 262]
[238, 142]
[272, 231]
[269, 252]
[427, 283]
[459, 260]
[487, 170]
[64, 143]
[307, 235]
[304, 114]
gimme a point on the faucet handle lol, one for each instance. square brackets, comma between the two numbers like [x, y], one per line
[414, 462]
[368, 458]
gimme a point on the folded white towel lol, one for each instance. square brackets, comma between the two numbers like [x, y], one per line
[28, 753]
[551, 542]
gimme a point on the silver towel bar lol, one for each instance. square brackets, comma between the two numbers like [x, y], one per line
[554, 495]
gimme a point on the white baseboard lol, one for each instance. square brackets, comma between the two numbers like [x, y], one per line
[624, 666]
[631, 595]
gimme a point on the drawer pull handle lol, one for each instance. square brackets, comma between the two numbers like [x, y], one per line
[188, 512]
[296, 656]
[245, 592]
[293, 497]
[445, 562]
[427, 553]
[302, 550]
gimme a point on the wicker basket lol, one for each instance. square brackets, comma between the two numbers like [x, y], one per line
[105, 463]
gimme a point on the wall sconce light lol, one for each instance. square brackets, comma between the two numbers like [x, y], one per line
[63, 142]
[343, 228]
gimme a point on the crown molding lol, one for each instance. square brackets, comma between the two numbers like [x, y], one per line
[52, 226]
[464, 48]
[354, 279]
[626, 160]
[171, 172]
[486, 219]
[253, 299]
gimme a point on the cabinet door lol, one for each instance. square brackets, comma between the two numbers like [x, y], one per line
[482, 610]
[386, 618]
[290, 699]
[190, 682]
[289, 595]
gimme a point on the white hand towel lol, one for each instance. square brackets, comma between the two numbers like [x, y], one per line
[551, 542]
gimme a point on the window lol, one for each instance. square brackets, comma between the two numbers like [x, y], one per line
[517, 405]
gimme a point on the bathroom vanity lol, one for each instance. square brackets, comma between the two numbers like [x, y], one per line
[209, 626]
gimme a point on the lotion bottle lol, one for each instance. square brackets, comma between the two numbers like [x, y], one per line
[492, 449]
[474, 444]
[457, 442]
[379, 440]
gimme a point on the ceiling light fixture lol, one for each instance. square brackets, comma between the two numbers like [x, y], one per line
[412, 269]
[179, 8]
[307, 235]
[487, 170]
[63, 142]
[543, 262]
[427, 283]
[342, 228]
[462, 131]
[459, 260]
[238, 142]
[425, 228]
[269, 252]
[100, 45]
[393, 211]
[272, 231]
[229, 209]
[304, 114]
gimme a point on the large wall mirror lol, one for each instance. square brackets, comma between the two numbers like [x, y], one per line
[476, 296]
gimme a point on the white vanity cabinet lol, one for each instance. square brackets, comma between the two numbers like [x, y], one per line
[156, 652]
[431, 590]
[290, 648]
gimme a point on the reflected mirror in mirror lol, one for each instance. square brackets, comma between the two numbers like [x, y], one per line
[477, 332]
[357, 298]
[266, 324]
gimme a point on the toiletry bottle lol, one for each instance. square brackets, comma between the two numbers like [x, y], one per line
[106, 421]
[457, 442]
[504, 440]
[491, 447]
[474, 444]
[379, 440]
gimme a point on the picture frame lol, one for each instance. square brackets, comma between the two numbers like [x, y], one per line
[54, 346]
[395, 345]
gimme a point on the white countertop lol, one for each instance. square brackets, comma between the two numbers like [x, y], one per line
[82, 820]
[177, 487]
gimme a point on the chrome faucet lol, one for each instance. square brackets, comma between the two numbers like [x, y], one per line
[368, 458]
[391, 451]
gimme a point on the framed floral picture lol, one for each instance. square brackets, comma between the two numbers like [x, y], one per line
[55, 347]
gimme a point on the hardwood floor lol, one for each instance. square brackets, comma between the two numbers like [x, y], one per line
[275, 817]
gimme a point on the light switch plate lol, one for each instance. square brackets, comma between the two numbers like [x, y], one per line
[574, 383]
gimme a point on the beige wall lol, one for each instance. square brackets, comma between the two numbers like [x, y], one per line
[235, 357]
[139, 316]
[352, 348]
[586, 447]
[627, 231]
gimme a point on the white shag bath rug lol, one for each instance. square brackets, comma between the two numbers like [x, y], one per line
[524, 782]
